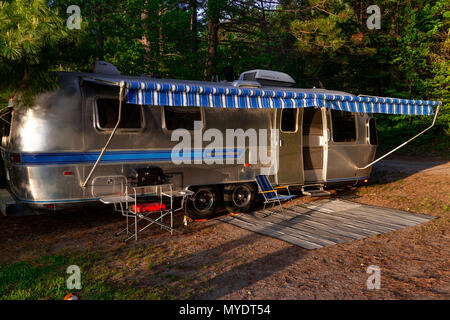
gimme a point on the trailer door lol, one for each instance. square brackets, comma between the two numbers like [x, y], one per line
[314, 145]
[290, 169]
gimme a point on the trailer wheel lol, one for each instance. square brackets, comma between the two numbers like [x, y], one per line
[203, 203]
[239, 197]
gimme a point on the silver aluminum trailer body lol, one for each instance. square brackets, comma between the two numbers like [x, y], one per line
[52, 146]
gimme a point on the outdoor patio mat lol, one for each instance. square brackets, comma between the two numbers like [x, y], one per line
[325, 222]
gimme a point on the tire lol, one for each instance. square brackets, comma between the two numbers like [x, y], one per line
[203, 204]
[239, 197]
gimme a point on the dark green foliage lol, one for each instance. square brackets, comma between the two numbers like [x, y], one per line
[196, 39]
[29, 34]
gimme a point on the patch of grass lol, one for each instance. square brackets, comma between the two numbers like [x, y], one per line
[427, 202]
[172, 277]
[45, 278]
[155, 295]
[25, 280]
[181, 267]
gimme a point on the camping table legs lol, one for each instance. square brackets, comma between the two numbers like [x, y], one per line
[163, 191]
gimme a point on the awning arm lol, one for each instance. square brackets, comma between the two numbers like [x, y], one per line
[122, 85]
[375, 161]
[109, 82]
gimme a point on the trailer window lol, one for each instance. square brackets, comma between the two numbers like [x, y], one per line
[289, 120]
[344, 126]
[373, 139]
[108, 110]
[181, 118]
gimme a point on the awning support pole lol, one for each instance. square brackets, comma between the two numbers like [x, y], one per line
[109, 139]
[375, 161]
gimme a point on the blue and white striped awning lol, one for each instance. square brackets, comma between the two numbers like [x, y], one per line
[164, 93]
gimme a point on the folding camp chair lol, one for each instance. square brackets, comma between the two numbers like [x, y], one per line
[270, 193]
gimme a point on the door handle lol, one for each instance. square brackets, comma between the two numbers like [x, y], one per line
[321, 141]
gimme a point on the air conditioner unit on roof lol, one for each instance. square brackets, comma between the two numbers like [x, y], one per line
[268, 78]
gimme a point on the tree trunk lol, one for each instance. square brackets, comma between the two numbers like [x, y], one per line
[193, 25]
[213, 29]
[160, 30]
[144, 40]
[265, 29]
[99, 40]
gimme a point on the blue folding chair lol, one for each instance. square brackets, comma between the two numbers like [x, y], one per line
[270, 193]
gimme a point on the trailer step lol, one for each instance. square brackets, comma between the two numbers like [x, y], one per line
[314, 190]
[316, 193]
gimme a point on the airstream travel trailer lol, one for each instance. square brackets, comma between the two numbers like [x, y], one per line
[99, 131]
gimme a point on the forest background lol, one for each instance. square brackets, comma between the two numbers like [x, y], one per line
[332, 43]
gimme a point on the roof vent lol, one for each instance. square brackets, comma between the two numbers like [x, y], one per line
[268, 78]
[105, 68]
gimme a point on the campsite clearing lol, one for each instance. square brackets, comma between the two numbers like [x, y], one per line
[216, 260]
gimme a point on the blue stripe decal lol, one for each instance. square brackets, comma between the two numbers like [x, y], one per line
[38, 158]
[57, 201]
[347, 179]
[73, 200]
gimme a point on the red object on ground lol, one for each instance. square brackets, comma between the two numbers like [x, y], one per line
[70, 296]
[148, 207]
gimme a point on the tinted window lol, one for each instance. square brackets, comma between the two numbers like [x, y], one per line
[289, 120]
[344, 128]
[108, 110]
[184, 117]
[373, 139]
